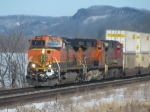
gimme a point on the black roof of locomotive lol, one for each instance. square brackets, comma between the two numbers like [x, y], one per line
[80, 42]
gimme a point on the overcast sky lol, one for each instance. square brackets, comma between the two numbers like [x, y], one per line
[61, 7]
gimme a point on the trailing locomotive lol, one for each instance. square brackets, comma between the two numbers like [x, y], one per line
[55, 61]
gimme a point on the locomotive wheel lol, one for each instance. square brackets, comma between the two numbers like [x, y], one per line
[89, 76]
[139, 73]
[123, 74]
[120, 73]
[105, 76]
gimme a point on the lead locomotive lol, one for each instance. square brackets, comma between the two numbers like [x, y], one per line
[55, 61]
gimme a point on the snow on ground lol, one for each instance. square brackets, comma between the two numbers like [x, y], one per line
[39, 106]
[137, 92]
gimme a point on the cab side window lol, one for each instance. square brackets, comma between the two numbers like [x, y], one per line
[64, 46]
[99, 47]
[118, 47]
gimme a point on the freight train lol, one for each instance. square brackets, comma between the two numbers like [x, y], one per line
[55, 61]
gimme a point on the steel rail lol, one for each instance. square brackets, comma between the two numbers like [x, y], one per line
[9, 92]
[4, 92]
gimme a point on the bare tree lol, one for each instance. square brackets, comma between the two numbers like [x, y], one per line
[13, 55]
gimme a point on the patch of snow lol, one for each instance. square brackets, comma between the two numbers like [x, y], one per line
[94, 18]
[121, 12]
[17, 23]
[52, 25]
[43, 22]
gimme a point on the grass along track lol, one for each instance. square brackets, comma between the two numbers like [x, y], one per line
[31, 96]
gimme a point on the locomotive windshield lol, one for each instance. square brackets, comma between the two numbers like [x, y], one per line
[38, 43]
[53, 44]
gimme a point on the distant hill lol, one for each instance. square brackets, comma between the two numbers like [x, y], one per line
[85, 23]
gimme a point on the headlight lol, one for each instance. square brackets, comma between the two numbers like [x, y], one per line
[49, 66]
[33, 65]
[43, 51]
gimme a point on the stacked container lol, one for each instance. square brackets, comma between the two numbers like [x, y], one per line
[136, 47]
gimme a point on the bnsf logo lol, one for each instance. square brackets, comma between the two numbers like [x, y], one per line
[43, 58]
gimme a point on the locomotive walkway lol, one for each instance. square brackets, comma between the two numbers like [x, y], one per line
[11, 98]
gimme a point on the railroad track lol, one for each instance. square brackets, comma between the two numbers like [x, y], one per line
[11, 92]
[11, 100]
[14, 91]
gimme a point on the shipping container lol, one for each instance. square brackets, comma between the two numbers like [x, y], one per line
[144, 43]
[149, 59]
[132, 60]
[138, 42]
[142, 60]
[129, 60]
[133, 42]
[148, 37]
[127, 38]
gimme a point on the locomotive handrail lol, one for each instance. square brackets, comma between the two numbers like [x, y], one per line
[84, 66]
[85, 61]
[58, 67]
[31, 57]
[81, 62]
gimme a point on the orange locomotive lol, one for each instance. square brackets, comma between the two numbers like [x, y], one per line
[54, 60]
